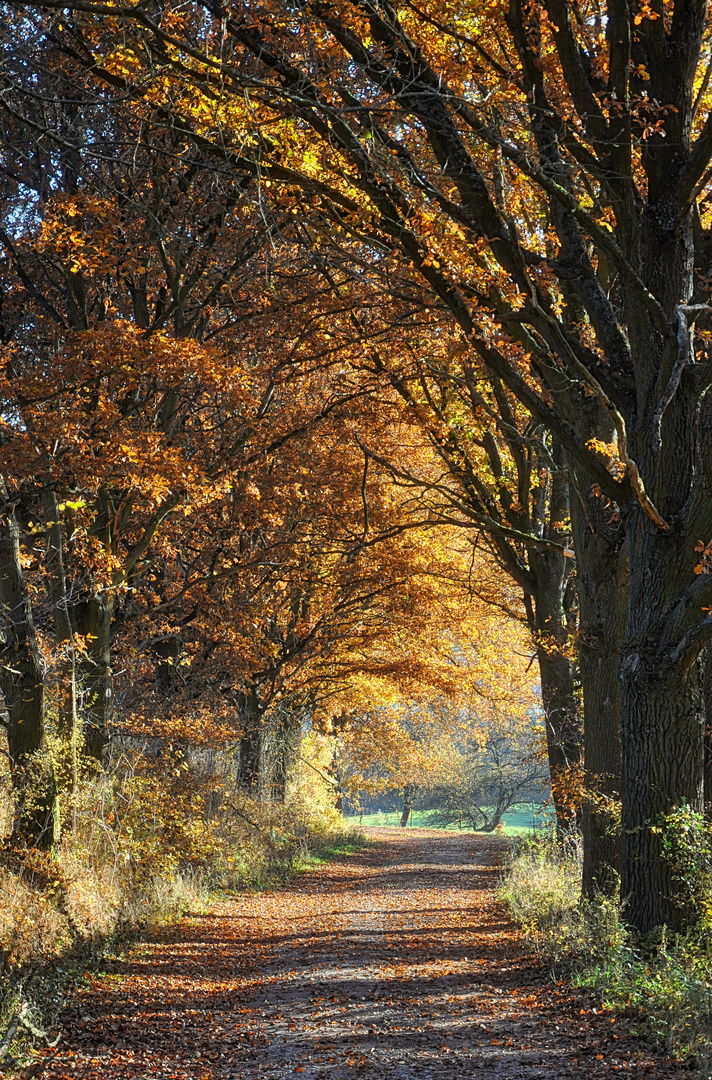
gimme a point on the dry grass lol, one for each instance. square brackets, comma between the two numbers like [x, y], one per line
[142, 844]
[31, 927]
[661, 988]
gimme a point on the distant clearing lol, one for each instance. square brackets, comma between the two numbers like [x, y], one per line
[517, 822]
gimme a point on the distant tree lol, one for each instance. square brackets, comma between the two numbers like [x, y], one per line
[412, 752]
[486, 782]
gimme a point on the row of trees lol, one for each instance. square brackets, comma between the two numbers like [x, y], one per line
[496, 225]
[196, 546]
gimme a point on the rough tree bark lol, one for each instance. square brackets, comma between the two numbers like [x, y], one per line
[602, 587]
[662, 733]
[250, 761]
[22, 683]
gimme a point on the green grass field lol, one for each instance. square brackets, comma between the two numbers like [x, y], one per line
[516, 822]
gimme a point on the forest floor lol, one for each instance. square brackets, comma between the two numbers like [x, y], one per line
[397, 961]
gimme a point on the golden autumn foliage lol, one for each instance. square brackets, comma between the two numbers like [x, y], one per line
[355, 441]
[211, 549]
[327, 331]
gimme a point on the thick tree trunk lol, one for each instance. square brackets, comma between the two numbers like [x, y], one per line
[662, 726]
[602, 587]
[22, 683]
[598, 664]
[662, 710]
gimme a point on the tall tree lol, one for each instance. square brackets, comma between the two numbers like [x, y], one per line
[22, 684]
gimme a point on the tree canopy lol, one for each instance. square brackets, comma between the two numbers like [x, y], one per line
[296, 293]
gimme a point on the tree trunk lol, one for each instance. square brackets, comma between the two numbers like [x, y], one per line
[662, 710]
[167, 651]
[335, 771]
[602, 587]
[558, 691]
[408, 792]
[662, 724]
[250, 763]
[22, 683]
[97, 683]
[284, 738]
[67, 710]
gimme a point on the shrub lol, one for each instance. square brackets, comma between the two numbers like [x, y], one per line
[541, 888]
[662, 987]
[687, 846]
[31, 926]
[144, 840]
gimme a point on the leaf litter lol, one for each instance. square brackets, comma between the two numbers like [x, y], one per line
[397, 961]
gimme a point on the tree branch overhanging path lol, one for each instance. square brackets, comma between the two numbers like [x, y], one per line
[394, 962]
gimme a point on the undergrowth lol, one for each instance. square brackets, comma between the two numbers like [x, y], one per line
[661, 986]
[141, 844]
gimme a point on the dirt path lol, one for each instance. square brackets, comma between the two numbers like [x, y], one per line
[396, 962]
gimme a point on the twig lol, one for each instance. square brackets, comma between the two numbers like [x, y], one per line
[22, 1019]
[38, 1032]
[245, 818]
[364, 497]
[329, 779]
[6, 1041]
[38, 1066]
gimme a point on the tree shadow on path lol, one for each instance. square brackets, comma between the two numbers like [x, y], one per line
[394, 962]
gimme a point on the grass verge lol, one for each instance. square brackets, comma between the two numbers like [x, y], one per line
[661, 987]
